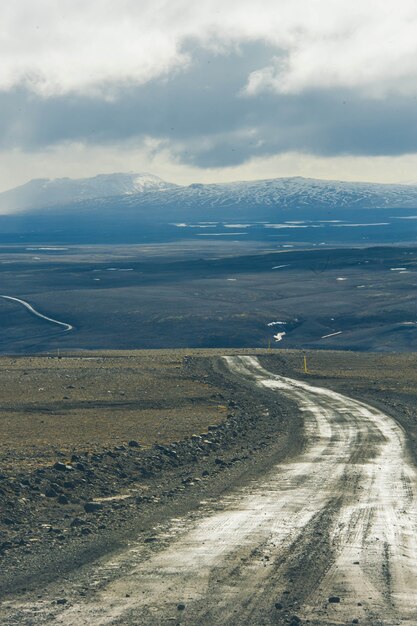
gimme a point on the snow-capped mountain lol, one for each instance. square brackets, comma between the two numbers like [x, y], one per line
[43, 192]
[146, 190]
[142, 207]
[283, 193]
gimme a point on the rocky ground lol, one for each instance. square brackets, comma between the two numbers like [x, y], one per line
[66, 502]
[63, 507]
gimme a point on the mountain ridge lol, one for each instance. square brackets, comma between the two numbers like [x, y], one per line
[142, 207]
[39, 192]
[132, 188]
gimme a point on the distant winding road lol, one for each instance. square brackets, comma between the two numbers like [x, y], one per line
[329, 537]
[31, 309]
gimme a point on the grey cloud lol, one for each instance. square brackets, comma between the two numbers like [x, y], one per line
[202, 116]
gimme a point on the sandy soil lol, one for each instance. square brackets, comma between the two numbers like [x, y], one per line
[51, 405]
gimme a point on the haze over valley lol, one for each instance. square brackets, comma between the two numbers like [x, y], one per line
[134, 208]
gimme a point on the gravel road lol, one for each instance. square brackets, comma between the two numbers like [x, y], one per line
[328, 537]
[32, 310]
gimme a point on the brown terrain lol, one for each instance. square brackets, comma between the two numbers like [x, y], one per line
[104, 448]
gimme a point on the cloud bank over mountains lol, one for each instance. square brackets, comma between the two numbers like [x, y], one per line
[209, 85]
[73, 46]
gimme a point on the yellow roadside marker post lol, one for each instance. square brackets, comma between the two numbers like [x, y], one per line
[305, 365]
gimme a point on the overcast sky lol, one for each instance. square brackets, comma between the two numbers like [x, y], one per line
[208, 91]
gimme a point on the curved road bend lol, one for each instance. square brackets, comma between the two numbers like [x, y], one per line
[32, 310]
[339, 522]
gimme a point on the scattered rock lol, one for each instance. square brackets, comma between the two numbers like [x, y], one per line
[97, 473]
[77, 521]
[334, 600]
[51, 493]
[6, 545]
[278, 605]
[181, 607]
[63, 467]
[92, 507]
[62, 601]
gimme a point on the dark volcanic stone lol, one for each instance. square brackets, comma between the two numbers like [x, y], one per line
[146, 473]
[334, 599]
[51, 493]
[134, 444]
[63, 467]
[63, 499]
[92, 507]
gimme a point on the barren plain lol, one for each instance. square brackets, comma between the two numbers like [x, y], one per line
[208, 296]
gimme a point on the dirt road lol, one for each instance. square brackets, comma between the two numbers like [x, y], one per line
[328, 537]
[32, 310]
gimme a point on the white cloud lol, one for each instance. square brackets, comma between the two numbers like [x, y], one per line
[77, 46]
[92, 47]
[370, 46]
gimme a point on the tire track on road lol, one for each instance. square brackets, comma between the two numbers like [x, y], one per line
[338, 520]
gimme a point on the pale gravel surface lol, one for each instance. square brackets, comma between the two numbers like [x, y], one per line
[338, 520]
[32, 310]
